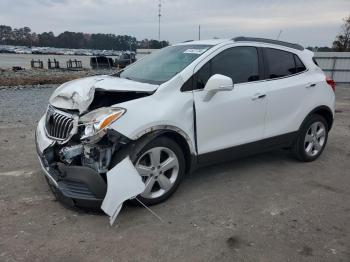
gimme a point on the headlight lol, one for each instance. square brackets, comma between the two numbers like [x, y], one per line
[98, 120]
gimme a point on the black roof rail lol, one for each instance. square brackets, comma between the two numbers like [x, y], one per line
[268, 41]
[187, 41]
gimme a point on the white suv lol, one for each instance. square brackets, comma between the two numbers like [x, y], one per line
[187, 105]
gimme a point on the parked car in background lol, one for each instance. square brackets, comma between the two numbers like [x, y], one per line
[101, 62]
[187, 105]
[125, 59]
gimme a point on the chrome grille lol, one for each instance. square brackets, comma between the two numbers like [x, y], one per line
[58, 124]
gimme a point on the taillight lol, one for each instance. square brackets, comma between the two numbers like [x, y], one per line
[330, 82]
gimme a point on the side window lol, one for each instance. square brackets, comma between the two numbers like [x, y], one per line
[299, 66]
[280, 63]
[188, 85]
[203, 75]
[239, 63]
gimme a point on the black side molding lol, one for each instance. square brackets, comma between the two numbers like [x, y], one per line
[324, 111]
[268, 41]
[245, 150]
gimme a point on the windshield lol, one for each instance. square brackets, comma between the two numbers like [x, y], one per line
[162, 65]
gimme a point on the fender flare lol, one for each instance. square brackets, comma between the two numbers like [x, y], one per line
[143, 138]
[159, 129]
[320, 108]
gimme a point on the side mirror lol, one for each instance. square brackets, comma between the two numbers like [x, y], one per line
[217, 83]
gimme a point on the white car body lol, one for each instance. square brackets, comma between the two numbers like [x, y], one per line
[269, 111]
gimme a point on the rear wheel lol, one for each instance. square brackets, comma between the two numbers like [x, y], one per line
[161, 165]
[312, 139]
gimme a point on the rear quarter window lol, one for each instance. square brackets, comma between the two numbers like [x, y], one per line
[299, 66]
[281, 63]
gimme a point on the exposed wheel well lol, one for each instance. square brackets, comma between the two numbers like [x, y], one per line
[182, 143]
[326, 113]
[133, 148]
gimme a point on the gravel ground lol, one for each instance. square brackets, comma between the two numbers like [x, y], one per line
[263, 208]
[30, 77]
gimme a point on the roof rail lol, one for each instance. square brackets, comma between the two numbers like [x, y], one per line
[268, 41]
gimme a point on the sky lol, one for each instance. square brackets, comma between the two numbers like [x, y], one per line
[308, 22]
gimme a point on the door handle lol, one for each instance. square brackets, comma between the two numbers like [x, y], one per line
[310, 85]
[258, 96]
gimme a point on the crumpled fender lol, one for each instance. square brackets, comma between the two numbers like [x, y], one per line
[123, 183]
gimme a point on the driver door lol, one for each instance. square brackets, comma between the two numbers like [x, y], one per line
[235, 117]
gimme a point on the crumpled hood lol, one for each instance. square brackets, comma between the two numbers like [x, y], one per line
[78, 94]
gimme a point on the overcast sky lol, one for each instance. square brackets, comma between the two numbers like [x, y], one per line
[309, 22]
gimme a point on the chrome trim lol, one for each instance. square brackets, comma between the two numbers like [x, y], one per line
[60, 118]
[47, 174]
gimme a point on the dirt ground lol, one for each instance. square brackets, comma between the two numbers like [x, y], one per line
[34, 77]
[263, 208]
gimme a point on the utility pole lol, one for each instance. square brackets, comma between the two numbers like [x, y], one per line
[159, 15]
[199, 32]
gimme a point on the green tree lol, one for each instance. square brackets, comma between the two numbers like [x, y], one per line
[342, 41]
[71, 40]
[24, 36]
[46, 39]
[5, 33]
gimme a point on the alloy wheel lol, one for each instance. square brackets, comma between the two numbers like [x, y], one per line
[159, 169]
[315, 138]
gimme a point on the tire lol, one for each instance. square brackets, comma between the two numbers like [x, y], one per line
[162, 175]
[312, 139]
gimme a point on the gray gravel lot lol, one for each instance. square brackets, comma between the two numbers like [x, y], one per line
[263, 208]
[28, 77]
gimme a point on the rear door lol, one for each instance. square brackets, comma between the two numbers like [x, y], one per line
[235, 117]
[289, 90]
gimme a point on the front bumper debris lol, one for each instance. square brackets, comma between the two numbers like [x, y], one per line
[84, 186]
[74, 185]
[124, 182]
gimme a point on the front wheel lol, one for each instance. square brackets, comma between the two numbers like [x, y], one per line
[161, 165]
[312, 139]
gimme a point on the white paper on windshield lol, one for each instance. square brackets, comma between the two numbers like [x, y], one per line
[196, 51]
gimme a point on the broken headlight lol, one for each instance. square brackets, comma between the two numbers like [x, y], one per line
[97, 121]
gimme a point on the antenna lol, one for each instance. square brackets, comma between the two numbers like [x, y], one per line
[159, 15]
[199, 32]
[279, 34]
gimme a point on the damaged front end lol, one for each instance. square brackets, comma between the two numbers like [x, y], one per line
[79, 152]
[76, 153]
[78, 156]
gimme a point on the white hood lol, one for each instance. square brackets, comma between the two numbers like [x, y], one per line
[78, 94]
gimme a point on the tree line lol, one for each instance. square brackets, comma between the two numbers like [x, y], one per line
[24, 36]
[341, 42]
[77, 40]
